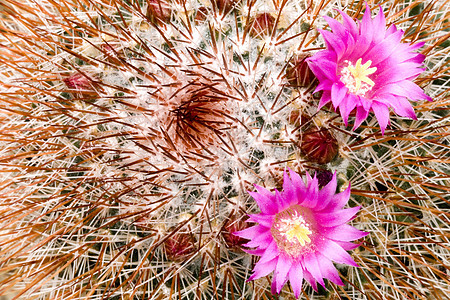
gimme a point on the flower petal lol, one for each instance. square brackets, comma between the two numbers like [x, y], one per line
[366, 27]
[264, 269]
[379, 26]
[327, 193]
[361, 115]
[402, 107]
[336, 218]
[311, 196]
[338, 93]
[349, 23]
[296, 278]
[382, 114]
[261, 219]
[270, 253]
[339, 200]
[263, 239]
[343, 232]
[326, 97]
[311, 264]
[384, 49]
[283, 266]
[333, 251]
[265, 199]
[347, 246]
[251, 232]
[308, 277]
[300, 188]
[333, 42]
[347, 105]
[328, 270]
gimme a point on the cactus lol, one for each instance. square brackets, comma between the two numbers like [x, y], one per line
[132, 130]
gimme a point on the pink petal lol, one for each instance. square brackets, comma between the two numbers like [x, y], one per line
[265, 199]
[257, 252]
[379, 25]
[339, 200]
[333, 42]
[361, 115]
[392, 29]
[397, 73]
[300, 190]
[347, 246]
[337, 27]
[367, 28]
[326, 193]
[261, 219]
[326, 97]
[363, 43]
[251, 232]
[324, 65]
[311, 195]
[349, 23]
[289, 193]
[365, 102]
[415, 92]
[382, 114]
[384, 49]
[323, 85]
[308, 277]
[328, 270]
[262, 239]
[310, 263]
[262, 270]
[343, 232]
[334, 251]
[270, 253]
[335, 218]
[296, 278]
[282, 201]
[402, 107]
[283, 266]
[347, 105]
[338, 93]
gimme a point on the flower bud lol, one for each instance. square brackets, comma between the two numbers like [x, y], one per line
[78, 82]
[224, 6]
[262, 25]
[231, 226]
[179, 246]
[158, 11]
[298, 73]
[201, 15]
[324, 177]
[319, 145]
[298, 119]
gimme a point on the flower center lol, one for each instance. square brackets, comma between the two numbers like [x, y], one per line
[291, 231]
[355, 77]
[300, 231]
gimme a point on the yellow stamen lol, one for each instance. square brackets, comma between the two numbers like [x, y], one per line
[300, 232]
[360, 73]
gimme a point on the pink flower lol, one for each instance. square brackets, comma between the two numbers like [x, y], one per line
[300, 231]
[366, 67]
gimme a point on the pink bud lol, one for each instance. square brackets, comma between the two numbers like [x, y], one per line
[179, 245]
[231, 226]
[79, 82]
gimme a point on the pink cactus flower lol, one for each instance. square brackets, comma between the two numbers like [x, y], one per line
[367, 68]
[300, 232]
